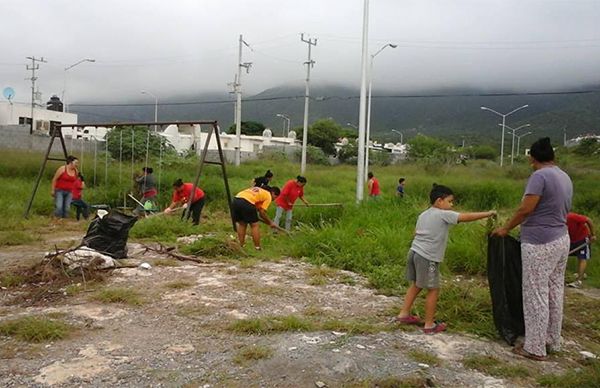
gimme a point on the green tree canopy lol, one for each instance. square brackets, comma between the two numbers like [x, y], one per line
[123, 142]
[422, 147]
[251, 128]
[323, 133]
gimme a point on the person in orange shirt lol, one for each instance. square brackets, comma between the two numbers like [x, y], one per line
[373, 184]
[248, 206]
[292, 190]
[181, 196]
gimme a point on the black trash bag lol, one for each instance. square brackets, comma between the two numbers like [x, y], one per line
[109, 234]
[504, 276]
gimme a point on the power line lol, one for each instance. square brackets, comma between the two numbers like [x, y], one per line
[325, 98]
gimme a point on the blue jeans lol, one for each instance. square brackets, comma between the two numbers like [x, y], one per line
[288, 217]
[82, 208]
[62, 202]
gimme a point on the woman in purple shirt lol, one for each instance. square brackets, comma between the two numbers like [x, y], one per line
[544, 250]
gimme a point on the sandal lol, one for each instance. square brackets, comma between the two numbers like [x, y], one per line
[438, 328]
[409, 320]
[524, 353]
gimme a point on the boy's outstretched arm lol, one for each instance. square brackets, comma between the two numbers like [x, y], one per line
[590, 226]
[468, 217]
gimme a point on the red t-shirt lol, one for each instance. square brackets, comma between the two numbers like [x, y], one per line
[65, 181]
[183, 194]
[374, 187]
[290, 193]
[578, 229]
[77, 188]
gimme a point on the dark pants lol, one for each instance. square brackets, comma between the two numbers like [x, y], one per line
[82, 208]
[195, 210]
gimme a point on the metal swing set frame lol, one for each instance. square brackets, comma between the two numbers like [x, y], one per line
[56, 133]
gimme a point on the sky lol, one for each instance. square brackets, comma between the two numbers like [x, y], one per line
[183, 48]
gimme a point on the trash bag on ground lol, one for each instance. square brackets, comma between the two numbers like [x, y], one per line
[504, 276]
[109, 234]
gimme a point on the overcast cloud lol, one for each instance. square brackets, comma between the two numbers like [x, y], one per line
[185, 47]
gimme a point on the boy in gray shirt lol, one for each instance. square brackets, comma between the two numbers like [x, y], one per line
[427, 252]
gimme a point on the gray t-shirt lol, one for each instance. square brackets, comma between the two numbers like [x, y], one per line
[431, 235]
[548, 221]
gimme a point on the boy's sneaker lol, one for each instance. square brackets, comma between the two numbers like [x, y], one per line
[575, 284]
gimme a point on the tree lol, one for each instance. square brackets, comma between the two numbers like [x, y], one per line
[251, 128]
[483, 152]
[323, 133]
[587, 147]
[425, 147]
[120, 143]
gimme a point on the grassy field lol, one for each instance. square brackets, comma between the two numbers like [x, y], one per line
[371, 238]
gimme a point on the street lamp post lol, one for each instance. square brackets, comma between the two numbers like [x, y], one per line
[400, 133]
[503, 126]
[369, 106]
[286, 130]
[519, 139]
[65, 79]
[514, 132]
[155, 108]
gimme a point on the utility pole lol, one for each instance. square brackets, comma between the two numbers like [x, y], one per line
[309, 64]
[238, 103]
[360, 165]
[564, 136]
[33, 78]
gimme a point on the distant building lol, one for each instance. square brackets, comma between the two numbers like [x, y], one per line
[576, 140]
[16, 113]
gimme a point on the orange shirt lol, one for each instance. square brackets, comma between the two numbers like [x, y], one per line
[260, 198]
[184, 193]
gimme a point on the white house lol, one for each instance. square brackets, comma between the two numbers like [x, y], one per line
[193, 137]
[15, 113]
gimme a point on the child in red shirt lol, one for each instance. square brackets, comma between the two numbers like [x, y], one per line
[373, 184]
[77, 201]
[581, 233]
[181, 195]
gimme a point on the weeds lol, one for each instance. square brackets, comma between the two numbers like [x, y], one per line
[12, 280]
[267, 325]
[424, 357]
[494, 367]
[179, 284]
[588, 375]
[119, 295]
[35, 329]
[252, 353]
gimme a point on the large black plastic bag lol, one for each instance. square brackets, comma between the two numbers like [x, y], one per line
[504, 276]
[109, 234]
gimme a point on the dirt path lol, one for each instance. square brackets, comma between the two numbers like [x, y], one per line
[184, 334]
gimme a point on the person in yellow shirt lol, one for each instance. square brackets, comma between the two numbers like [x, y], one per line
[248, 207]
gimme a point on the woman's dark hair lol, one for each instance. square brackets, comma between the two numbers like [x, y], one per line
[439, 191]
[71, 159]
[148, 170]
[178, 183]
[301, 179]
[268, 174]
[542, 150]
[261, 181]
[401, 180]
[275, 190]
[370, 175]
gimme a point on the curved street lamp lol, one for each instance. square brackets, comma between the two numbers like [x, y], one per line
[514, 132]
[65, 79]
[368, 135]
[287, 120]
[400, 133]
[503, 126]
[155, 107]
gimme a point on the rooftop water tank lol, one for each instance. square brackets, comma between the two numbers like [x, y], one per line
[55, 104]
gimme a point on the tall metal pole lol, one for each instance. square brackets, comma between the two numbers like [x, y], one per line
[309, 64]
[368, 135]
[238, 103]
[63, 98]
[502, 144]
[33, 78]
[238, 106]
[360, 168]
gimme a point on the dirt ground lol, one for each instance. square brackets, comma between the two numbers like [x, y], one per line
[181, 334]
